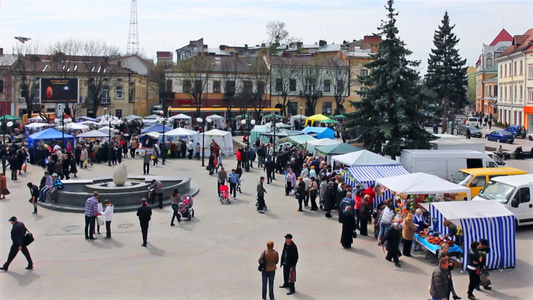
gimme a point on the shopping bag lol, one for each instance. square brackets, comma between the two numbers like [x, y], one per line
[100, 220]
[6, 192]
[292, 275]
[28, 238]
[85, 163]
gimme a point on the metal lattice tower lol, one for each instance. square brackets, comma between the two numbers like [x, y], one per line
[133, 32]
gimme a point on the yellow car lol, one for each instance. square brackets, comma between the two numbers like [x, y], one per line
[476, 178]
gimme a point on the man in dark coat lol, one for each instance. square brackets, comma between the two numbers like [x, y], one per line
[393, 242]
[348, 226]
[439, 280]
[145, 214]
[289, 259]
[17, 236]
[269, 168]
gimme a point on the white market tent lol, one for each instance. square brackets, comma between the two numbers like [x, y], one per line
[152, 117]
[363, 157]
[37, 119]
[92, 134]
[181, 117]
[480, 220]
[73, 126]
[37, 125]
[421, 183]
[215, 117]
[183, 133]
[300, 118]
[311, 145]
[132, 117]
[222, 138]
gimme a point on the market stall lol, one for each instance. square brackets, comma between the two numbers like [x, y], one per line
[315, 118]
[320, 132]
[297, 118]
[92, 134]
[47, 136]
[311, 145]
[222, 138]
[185, 134]
[364, 167]
[216, 120]
[181, 117]
[480, 220]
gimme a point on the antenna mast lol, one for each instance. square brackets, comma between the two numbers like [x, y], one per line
[133, 32]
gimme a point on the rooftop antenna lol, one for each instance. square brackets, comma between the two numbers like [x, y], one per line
[133, 32]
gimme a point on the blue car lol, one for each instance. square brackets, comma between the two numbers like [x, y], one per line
[500, 136]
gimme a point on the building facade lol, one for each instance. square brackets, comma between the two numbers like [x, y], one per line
[514, 105]
[487, 73]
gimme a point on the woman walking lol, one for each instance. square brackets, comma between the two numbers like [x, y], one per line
[408, 234]
[271, 259]
[175, 199]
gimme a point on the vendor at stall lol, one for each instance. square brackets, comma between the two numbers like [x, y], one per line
[452, 232]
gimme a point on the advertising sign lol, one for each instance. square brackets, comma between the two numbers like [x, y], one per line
[59, 90]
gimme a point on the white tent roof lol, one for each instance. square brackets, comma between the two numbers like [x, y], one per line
[132, 117]
[152, 117]
[74, 126]
[323, 142]
[216, 132]
[92, 134]
[457, 210]
[421, 183]
[37, 125]
[36, 119]
[180, 116]
[181, 132]
[363, 158]
[215, 117]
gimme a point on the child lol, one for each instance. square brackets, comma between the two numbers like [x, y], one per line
[108, 214]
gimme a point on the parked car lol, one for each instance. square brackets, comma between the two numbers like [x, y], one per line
[530, 136]
[474, 131]
[518, 132]
[471, 121]
[500, 136]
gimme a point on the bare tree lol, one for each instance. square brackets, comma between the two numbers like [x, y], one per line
[229, 75]
[312, 77]
[26, 73]
[284, 76]
[260, 76]
[340, 81]
[194, 76]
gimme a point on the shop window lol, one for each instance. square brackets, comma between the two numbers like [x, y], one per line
[279, 85]
[292, 85]
[119, 92]
[216, 87]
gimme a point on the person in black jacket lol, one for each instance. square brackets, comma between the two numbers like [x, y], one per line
[393, 242]
[269, 168]
[34, 192]
[17, 236]
[289, 259]
[145, 214]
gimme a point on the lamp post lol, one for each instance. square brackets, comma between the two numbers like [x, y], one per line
[275, 127]
[301, 109]
[109, 146]
[4, 148]
[202, 121]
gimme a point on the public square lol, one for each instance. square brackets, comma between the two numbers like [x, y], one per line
[215, 255]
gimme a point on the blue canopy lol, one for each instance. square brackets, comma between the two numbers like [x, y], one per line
[48, 135]
[156, 128]
[321, 132]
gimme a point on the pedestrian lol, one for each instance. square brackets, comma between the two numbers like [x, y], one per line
[146, 163]
[408, 234]
[385, 219]
[198, 149]
[145, 215]
[300, 192]
[313, 193]
[91, 211]
[108, 214]
[444, 252]
[233, 181]
[269, 168]
[222, 177]
[468, 133]
[261, 195]
[18, 232]
[34, 194]
[156, 190]
[329, 200]
[439, 281]
[290, 182]
[392, 237]
[289, 259]
[365, 215]
[271, 259]
[484, 249]
[348, 226]
[3, 186]
[190, 148]
[45, 185]
[175, 199]
[98, 220]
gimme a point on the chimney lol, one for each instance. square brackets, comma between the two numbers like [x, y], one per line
[1, 51]
[222, 47]
[119, 63]
[322, 43]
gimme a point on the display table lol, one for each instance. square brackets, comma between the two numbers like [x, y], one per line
[435, 248]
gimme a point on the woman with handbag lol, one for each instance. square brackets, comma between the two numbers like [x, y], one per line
[300, 192]
[267, 265]
[313, 192]
[3, 186]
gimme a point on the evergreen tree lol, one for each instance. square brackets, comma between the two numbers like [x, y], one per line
[446, 75]
[390, 110]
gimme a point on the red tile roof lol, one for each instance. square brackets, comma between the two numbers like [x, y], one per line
[503, 36]
[520, 43]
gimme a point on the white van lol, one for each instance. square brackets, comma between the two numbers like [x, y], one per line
[444, 163]
[472, 121]
[515, 192]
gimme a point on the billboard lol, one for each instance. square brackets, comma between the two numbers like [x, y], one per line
[59, 90]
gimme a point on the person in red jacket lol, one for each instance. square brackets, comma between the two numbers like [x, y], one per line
[371, 193]
[239, 158]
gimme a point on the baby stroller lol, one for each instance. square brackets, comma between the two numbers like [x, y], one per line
[185, 208]
[224, 194]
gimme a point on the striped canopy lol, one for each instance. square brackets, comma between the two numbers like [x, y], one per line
[480, 220]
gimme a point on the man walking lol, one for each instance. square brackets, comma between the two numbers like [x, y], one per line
[289, 259]
[261, 195]
[146, 163]
[91, 211]
[221, 179]
[233, 180]
[145, 214]
[190, 148]
[269, 167]
[439, 281]
[18, 231]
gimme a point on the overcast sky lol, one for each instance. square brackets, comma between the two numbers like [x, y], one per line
[170, 24]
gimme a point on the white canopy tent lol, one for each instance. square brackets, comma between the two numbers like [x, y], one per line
[216, 120]
[185, 134]
[311, 145]
[222, 138]
[300, 118]
[363, 157]
[37, 119]
[37, 125]
[132, 117]
[421, 183]
[92, 134]
[73, 126]
[181, 117]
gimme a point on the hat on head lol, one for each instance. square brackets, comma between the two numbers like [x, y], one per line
[288, 236]
[13, 218]
[54, 175]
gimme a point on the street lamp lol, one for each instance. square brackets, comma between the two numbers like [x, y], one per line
[109, 146]
[301, 110]
[275, 127]
[5, 126]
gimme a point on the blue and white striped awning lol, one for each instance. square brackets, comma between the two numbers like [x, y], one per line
[367, 175]
[480, 220]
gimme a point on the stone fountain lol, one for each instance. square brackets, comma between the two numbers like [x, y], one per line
[122, 191]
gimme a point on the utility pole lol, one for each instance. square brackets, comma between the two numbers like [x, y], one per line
[133, 32]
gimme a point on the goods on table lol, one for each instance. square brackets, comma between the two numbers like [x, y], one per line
[429, 236]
